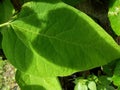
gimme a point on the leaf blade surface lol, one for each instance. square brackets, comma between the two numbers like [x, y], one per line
[63, 39]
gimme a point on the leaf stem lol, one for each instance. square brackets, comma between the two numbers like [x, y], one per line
[4, 24]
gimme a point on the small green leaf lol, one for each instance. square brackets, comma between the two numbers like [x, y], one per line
[114, 16]
[81, 85]
[91, 85]
[116, 80]
[29, 82]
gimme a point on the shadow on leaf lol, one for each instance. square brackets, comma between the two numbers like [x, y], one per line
[32, 87]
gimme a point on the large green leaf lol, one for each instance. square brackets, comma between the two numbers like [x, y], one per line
[56, 40]
[114, 15]
[64, 36]
[29, 82]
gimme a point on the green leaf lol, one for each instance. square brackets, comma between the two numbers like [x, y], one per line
[6, 10]
[63, 38]
[109, 68]
[101, 87]
[116, 75]
[104, 83]
[116, 80]
[92, 85]
[114, 16]
[81, 84]
[29, 82]
[104, 80]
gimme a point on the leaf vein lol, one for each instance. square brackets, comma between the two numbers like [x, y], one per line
[50, 37]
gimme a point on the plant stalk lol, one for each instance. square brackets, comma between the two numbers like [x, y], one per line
[4, 24]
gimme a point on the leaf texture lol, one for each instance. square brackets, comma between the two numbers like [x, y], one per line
[55, 39]
[6, 10]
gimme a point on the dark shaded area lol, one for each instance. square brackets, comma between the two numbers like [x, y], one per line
[98, 10]
[111, 2]
[2, 55]
[1, 1]
[17, 4]
[67, 82]
[72, 2]
[1, 51]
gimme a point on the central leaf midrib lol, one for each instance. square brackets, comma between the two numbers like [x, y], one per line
[50, 37]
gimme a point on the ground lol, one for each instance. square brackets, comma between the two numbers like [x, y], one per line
[7, 76]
